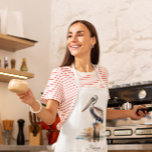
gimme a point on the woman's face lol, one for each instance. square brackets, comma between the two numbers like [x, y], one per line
[79, 40]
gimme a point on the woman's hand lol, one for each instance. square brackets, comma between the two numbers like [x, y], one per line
[27, 97]
[133, 112]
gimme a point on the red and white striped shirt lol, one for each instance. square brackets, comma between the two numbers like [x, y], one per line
[63, 88]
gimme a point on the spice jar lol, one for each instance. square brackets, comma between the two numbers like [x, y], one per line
[5, 62]
[24, 65]
[13, 62]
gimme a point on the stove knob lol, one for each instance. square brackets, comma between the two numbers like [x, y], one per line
[142, 94]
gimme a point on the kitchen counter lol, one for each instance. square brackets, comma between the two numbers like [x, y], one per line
[24, 148]
[47, 148]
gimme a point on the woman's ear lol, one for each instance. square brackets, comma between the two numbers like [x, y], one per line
[93, 41]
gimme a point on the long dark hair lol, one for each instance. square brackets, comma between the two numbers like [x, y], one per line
[69, 59]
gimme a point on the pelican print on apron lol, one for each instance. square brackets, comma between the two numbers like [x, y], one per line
[84, 130]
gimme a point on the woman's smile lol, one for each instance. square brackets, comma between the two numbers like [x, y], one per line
[75, 46]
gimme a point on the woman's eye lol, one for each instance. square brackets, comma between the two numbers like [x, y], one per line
[80, 34]
[69, 36]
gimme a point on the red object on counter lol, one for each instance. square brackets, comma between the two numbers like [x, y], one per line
[52, 133]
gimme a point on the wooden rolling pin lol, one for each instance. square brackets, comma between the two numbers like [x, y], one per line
[18, 86]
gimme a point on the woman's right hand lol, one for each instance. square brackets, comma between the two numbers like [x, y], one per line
[27, 97]
[46, 114]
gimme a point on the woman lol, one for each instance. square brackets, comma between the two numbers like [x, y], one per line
[78, 91]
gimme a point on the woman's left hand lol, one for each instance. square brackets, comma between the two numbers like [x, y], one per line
[136, 116]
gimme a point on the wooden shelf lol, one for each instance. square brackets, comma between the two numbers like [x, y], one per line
[5, 78]
[13, 43]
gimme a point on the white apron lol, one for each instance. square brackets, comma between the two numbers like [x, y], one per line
[84, 130]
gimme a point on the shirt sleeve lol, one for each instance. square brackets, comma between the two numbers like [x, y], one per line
[54, 89]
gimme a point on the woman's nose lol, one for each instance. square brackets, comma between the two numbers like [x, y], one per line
[74, 38]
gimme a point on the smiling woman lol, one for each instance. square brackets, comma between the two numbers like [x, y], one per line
[78, 92]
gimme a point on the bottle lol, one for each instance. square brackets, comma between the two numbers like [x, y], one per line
[24, 65]
[13, 62]
[20, 136]
[5, 62]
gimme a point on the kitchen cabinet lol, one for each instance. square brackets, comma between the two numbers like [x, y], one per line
[12, 43]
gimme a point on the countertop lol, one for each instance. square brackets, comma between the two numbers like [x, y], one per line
[47, 148]
[25, 148]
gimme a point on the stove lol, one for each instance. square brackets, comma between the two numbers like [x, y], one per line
[135, 93]
[127, 131]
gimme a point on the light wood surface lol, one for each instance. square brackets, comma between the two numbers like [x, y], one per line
[23, 148]
[12, 43]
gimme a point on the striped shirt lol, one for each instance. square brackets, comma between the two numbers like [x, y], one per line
[63, 88]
